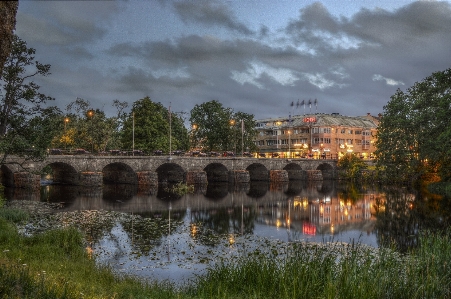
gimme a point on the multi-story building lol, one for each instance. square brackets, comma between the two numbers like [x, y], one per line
[328, 136]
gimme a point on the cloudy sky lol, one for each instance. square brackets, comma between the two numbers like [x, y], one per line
[255, 56]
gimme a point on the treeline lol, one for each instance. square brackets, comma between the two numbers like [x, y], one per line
[29, 125]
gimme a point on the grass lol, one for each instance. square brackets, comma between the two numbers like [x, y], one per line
[56, 264]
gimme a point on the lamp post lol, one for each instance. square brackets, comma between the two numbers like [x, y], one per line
[66, 120]
[232, 123]
[289, 144]
[242, 138]
[133, 134]
[90, 115]
[193, 141]
[278, 123]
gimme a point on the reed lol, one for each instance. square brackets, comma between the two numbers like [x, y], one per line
[56, 264]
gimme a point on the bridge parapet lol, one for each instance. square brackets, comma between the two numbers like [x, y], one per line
[148, 170]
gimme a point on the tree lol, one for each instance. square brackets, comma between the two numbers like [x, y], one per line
[217, 128]
[8, 11]
[351, 166]
[414, 134]
[147, 125]
[213, 126]
[88, 128]
[244, 126]
[24, 129]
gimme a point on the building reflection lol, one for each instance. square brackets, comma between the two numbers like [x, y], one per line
[319, 211]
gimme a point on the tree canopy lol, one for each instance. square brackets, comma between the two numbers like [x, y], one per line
[147, 125]
[414, 134]
[26, 125]
[217, 128]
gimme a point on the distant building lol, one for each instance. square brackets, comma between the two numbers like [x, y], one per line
[317, 136]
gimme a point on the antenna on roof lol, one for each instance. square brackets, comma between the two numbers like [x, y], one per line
[310, 105]
[316, 106]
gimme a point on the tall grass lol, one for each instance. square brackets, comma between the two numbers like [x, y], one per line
[335, 272]
[55, 264]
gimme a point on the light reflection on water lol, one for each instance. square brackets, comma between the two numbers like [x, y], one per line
[176, 237]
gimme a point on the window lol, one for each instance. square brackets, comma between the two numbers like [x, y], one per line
[326, 140]
[343, 131]
[326, 130]
[358, 132]
[349, 131]
[315, 130]
[366, 133]
[350, 141]
[316, 141]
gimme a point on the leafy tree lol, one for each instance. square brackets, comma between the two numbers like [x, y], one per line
[351, 166]
[220, 129]
[213, 126]
[26, 127]
[88, 128]
[414, 134]
[148, 125]
[244, 128]
[8, 11]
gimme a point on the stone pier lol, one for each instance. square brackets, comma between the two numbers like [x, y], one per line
[278, 176]
[239, 176]
[196, 177]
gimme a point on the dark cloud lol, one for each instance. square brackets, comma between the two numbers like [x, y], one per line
[210, 12]
[352, 65]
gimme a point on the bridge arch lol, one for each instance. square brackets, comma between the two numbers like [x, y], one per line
[119, 173]
[217, 172]
[171, 173]
[7, 176]
[327, 170]
[295, 171]
[64, 173]
[258, 172]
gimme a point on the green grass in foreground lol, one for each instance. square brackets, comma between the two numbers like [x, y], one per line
[56, 265]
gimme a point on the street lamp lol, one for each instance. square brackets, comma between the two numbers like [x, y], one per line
[289, 144]
[232, 123]
[278, 123]
[66, 120]
[193, 141]
[90, 115]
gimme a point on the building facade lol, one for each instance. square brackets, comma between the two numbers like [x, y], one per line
[316, 136]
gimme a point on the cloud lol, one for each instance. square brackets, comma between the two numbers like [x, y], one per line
[210, 12]
[388, 81]
[352, 65]
[257, 69]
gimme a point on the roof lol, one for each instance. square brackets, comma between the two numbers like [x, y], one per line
[322, 120]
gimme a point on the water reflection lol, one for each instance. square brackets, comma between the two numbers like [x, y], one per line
[158, 222]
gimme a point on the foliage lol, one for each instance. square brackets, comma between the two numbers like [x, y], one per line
[8, 11]
[351, 166]
[26, 126]
[216, 128]
[148, 126]
[88, 128]
[414, 134]
[181, 188]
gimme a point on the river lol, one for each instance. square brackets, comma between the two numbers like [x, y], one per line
[160, 235]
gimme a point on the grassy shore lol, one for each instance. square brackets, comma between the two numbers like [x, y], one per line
[56, 264]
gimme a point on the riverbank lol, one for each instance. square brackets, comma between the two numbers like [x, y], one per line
[49, 259]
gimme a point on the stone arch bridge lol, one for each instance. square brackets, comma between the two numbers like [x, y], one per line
[86, 170]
